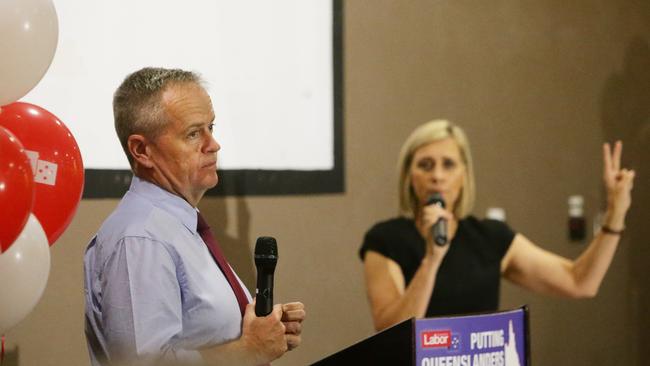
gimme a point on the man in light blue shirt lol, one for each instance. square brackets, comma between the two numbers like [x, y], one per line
[153, 291]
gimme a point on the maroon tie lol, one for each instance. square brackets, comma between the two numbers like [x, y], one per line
[206, 234]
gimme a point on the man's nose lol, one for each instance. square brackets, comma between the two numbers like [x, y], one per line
[212, 144]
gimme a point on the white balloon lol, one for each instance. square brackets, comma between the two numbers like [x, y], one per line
[24, 269]
[29, 32]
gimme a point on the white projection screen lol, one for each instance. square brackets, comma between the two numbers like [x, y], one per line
[273, 70]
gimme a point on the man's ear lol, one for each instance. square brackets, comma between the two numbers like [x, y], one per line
[140, 151]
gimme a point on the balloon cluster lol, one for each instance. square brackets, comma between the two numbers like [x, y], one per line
[41, 171]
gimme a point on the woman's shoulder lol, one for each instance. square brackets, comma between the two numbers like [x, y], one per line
[391, 237]
[483, 224]
[395, 223]
[495, 231]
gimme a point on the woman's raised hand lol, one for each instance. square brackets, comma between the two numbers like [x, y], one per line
[618, 182]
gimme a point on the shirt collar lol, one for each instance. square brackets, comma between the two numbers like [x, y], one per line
[167, 201]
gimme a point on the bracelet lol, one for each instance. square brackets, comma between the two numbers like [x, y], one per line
[607, 230]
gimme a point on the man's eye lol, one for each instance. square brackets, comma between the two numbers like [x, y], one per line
[211, 127]
[193, 134]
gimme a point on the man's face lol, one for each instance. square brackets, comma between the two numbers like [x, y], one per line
[184, 155]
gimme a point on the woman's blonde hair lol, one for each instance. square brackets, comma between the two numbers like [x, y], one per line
[432, 131]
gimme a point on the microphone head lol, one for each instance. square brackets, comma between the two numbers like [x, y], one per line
[436, 199]
[266, 252]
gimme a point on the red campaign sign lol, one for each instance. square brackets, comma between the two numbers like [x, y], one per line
[436, 338]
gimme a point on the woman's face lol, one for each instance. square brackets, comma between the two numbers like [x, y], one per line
[438, 167]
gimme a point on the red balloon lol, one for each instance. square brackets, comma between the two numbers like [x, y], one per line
[55, 160]
[16, 188]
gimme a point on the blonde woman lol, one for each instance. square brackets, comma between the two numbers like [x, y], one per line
[407, 275]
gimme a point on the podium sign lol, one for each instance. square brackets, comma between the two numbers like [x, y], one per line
[494, 339]
[491, 339]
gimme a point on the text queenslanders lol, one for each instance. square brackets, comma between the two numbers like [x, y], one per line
[484, 343]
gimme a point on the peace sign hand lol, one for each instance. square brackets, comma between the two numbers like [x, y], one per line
[618, 182]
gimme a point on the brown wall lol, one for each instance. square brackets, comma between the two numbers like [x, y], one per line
[538, 85]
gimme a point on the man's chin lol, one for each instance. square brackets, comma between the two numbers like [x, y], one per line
[213, 182]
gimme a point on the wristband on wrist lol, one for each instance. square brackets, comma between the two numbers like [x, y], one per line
[607, 230]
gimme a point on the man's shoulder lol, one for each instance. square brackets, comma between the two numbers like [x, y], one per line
[129, 216]
[137, 225]
[136, 216]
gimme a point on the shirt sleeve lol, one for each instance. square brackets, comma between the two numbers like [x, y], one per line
[500, 235]
[375, 240]
[141, 303]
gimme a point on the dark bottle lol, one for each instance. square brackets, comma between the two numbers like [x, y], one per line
[577, 222]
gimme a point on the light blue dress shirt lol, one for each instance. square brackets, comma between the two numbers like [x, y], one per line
[152, 288]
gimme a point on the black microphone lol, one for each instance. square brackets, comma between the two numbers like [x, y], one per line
[439, 229]
[266, 256]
